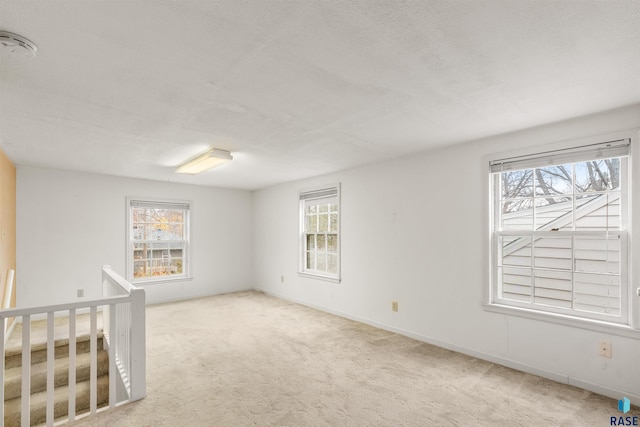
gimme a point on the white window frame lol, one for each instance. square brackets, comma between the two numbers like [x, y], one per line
[328, 194]
[163, 204]
[568, 152]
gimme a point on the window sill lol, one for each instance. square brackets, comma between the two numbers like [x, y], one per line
[163, 280]
[319, 277]
[588, 324]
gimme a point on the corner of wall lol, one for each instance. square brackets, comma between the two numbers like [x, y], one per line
[7, 220]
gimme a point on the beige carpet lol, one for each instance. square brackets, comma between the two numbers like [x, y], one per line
[248, 359]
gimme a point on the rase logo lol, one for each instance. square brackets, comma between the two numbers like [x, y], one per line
[624, 405]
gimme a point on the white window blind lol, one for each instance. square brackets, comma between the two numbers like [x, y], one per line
[602, 150]
[316, 194]
[159, 205]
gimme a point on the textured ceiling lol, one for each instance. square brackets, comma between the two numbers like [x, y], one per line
[299, 88]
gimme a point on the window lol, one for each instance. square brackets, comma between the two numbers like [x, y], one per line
[157, 240]
[559, 242]
[320, 233]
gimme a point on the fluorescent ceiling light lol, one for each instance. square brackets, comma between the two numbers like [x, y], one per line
[203, 162]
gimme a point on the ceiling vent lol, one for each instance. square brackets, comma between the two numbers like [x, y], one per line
[17, 44]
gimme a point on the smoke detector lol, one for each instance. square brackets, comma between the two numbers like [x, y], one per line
[17, 44]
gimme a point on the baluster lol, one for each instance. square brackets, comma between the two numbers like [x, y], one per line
[128, 338]
[112, 355]
[118, 336]
[126, 348]
[93, 376]
[50, 368]
[72, 364]
[25, 415]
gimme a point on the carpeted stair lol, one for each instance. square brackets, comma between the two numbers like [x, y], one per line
[13, 375]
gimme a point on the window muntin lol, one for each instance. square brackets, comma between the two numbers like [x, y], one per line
[559, 236]
[158, 242]
[320, 233]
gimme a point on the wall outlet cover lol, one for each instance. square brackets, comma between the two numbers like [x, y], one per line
[604, 349]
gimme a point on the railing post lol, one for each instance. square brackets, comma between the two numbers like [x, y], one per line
[105, 281]
[138, 345]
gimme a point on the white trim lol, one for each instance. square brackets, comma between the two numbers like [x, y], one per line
[572, 321]
[221, 291]
[622, 144]
[634, 245]
[161, 279]
[44, 309]
[319, 277]
[510, 363]
[186, 205]
[57, 314]
[331, 193]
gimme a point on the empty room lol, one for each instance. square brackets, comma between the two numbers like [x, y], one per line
[320, 212]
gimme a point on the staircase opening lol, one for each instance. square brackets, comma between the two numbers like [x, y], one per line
[69, 360]
[38, 390]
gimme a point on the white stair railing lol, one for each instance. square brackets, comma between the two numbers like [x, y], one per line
[6, 300]
[126, 352]
[124, 329]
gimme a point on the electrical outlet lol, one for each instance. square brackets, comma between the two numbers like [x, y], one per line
[394, 305]
[605, 349]
[80, 293]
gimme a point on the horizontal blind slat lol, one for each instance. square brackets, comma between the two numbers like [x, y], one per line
[602, 150]
[317, 194]
[159, 205]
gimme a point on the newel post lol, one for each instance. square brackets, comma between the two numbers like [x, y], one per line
[138, 345]
[105, 284]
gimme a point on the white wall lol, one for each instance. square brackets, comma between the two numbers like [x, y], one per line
[406, 236]
[412, 236]
[69, 224]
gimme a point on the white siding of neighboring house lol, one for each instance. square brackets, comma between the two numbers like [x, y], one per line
[553, 258]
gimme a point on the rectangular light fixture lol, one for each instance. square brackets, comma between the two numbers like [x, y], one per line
[210, 159]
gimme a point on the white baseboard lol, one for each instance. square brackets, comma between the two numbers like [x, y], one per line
[509, 363]
[222, 291]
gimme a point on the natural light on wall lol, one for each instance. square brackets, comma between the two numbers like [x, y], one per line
[210, 159]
